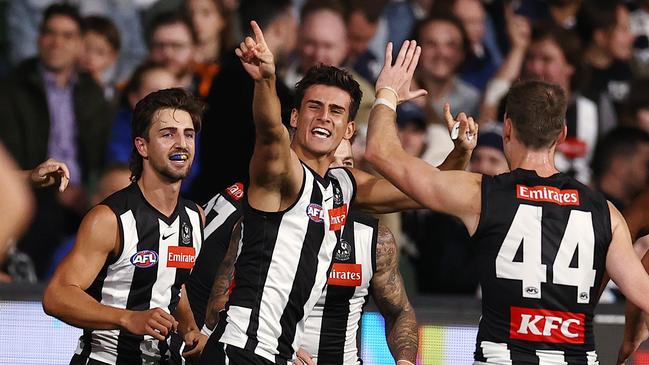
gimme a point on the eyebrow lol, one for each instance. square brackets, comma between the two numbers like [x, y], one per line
[318, 102]
[174, 128]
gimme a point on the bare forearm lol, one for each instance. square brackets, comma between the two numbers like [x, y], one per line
[75, 307]
[266, 108]
[223, 280]
[184, 315]
[402, 336]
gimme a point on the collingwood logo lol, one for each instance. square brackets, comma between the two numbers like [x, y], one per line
[186, 234]
[343, 253]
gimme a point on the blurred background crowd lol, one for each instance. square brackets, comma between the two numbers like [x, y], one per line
[73, 71]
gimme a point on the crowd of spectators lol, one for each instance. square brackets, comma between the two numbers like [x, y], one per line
[73, 71]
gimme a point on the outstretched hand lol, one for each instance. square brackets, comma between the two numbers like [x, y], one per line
[256, 57]
[399, 76]
[466, 136]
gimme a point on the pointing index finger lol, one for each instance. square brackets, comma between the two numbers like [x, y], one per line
[259, 35]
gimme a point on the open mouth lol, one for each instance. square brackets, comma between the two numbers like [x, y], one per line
[321, 132]
[179, 157]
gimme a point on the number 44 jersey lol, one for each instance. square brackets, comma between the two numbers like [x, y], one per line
[542, 244]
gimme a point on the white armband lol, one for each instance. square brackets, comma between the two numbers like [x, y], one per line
[206, 331]
[386, 102]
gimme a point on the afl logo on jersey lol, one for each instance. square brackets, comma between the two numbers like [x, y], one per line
[144, 259]
[315, 213]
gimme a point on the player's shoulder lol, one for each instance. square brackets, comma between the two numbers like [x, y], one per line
[122, 200]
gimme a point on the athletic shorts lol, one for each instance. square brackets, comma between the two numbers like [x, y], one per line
[217, 353]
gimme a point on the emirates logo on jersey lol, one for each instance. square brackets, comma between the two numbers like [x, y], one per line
[345, 274]
[181, 257]
[540, 325]
[315, 212]
[548, 194]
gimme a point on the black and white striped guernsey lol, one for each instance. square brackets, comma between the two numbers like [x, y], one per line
[282, 267]
[155, 258]
[330, 333]
[542, 246]
[221, 214]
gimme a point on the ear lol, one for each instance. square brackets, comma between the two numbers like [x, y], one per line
[349, 131]
[294, 115]
[562, 135]
[507, 129]
[141, 147]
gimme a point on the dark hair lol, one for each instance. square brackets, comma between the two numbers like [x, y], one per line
[264, 12]
[145, 110]
[135, 81]
[330, 76]
[170, 18]
[104, 27]
[62, 9]
[313, 6]
[566, 40]
[621, 141]
[596, 15]
[537, 110]
[226, 37]
[638, 99]
[371, 9]
[446, 17]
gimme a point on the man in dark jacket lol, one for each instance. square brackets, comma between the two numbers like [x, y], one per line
[50, 110]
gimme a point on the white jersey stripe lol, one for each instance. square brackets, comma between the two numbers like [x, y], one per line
[281, 271]
[551, 357]
[195, 220]
[160, 294]
[496, 353]
[224, 209]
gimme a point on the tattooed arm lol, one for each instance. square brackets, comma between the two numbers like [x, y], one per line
[224, 276]
[390, 297]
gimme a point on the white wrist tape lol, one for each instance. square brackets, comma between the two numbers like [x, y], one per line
[396, 94]
[206, 331]
[386, 102]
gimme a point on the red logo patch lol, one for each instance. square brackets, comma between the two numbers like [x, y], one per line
[548, 194]
[345, 274]
[540, 325]
[181, 257]
[235, 191]
[337, 217]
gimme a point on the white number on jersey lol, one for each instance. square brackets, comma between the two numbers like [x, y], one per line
[526, 230]
[223, 209]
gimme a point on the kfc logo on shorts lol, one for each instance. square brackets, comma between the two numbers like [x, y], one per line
[235, 191]
[315, 213]
[345, 274]
[540, 325]
[144, 259]
[181, 257]
[548, 194]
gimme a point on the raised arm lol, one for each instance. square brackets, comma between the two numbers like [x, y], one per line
[270, 166]
[452, 192]
[65, 297]
[390, 297]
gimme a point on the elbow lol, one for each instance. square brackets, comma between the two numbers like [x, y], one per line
[49, 302]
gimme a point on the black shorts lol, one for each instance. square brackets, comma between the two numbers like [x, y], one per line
[217, 353]
[82, 360]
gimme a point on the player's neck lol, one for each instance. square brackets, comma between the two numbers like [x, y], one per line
[161, 194]
[319, 164]
[540, 161]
